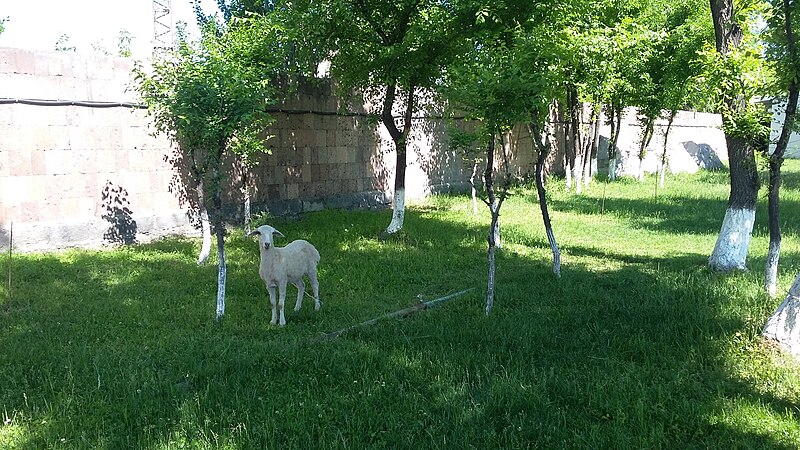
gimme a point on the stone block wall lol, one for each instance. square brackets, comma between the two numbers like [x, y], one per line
[79, 176]
[696, 141]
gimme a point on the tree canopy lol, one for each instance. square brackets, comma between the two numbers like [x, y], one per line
[211, 96]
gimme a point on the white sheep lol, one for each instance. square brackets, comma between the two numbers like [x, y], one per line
[283, 265]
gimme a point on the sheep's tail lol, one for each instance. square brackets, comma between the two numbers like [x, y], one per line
[316, 254]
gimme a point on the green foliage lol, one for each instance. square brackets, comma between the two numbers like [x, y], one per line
[3, 21]
[786, 68]
[752, 122]
[733, 78]
[124, 43]
[511, 71]
[637, 346]
[464, 141]
[62, 44]
[248, 143]
[242, 8]
[731, 83]
[374, 43]
[211, 95]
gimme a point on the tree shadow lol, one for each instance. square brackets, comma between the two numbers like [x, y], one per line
[703, 155]
[117, 212]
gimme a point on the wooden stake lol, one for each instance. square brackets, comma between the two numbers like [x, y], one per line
[10, 246]
[401, 313]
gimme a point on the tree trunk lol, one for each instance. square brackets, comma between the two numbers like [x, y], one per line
[400, 138]
[205, 225]
[542, 151]
[247, 216]
[775, 163]
[220, 232]
[730, 250]
[494, 204]
[596, 139]
[726, 32]
[664, 156]
[590, 146]
[490, 287]
[548, 227]
[615, 121]
[784, 325]
[246, 201]
[222, 271]
[773, 208]
[472, 184]
[647, 135]
[572, 138]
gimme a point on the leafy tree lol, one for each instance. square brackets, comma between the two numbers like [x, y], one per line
[467, 144]
[674, 32]
[3, 24]
[677, 66]
[782, 54]
[732, 70]
[501, 81]
[392, 50]
[480, 88]
[207, 96]
[236, 8]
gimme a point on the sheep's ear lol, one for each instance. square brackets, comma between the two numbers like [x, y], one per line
[254, 233]
[278, 233]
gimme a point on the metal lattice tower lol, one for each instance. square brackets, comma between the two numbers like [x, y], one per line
[163, 38]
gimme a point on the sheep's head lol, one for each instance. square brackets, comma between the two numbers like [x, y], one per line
[265, 233]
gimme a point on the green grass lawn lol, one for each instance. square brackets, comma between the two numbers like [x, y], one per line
[637, 346]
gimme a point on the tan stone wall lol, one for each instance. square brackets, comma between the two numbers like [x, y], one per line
[79, 176]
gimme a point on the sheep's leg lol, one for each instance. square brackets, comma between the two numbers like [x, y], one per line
[315, 287]
[271, 290]
[301, 290]
[282, 301]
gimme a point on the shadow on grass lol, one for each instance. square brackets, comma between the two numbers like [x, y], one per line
[118, 350]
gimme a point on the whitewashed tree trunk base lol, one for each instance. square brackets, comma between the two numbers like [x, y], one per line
[497, 242]
[784, 325]
[640, 176]
[771, 270]
[568, 177]
[490, 285]
[205, 249]
[247, 215]
[612, 169]
[398, 212]
[474, 191]
[730, 251]
[221, 279]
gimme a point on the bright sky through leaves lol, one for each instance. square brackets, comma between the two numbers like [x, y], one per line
[89, 24]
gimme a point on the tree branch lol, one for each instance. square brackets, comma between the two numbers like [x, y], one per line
[367, 14]
[386, 115]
